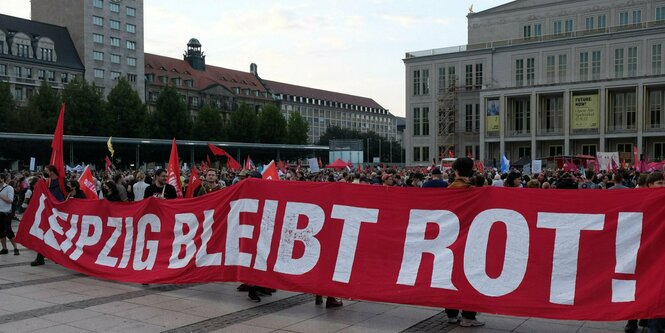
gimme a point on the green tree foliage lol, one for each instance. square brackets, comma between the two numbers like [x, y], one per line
[376, 144]
[208, 125]
[125, 111]
[42, 112]
[84, 109]
[6, 106]
[243, 125]
[272, 125]
[297, 129]
[171, 117]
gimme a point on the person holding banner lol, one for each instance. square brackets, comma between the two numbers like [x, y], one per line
[160, 188]
[54, 187]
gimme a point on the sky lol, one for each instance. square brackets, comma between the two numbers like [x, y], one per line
[348, 46]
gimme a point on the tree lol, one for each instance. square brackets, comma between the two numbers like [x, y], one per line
[243, 125]
[42, 112]
[272, 125]
[297, 129]
[84, 109]
[208, 125]
[6, 106]
[125, 111]
[171, 117]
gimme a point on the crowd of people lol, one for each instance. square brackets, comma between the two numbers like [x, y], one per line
[16, 191]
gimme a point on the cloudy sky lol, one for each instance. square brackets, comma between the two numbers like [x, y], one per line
[350, 46]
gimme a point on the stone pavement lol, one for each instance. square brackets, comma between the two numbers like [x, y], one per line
[51, 298]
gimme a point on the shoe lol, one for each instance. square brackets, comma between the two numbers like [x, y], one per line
[252, 294]
[332, 302]
[4, 251]
[453, 320]
[243, 287]
[318, 300]
[630, 328]
[643, 323]
[37, 262]
[470, 323]
[264, 291]
[16, 252]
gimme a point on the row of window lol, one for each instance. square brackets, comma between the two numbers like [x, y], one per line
[114, 7]
[591, 23]
[421, 120]
[23, 51]
[333, 104]
[334, 115]
[447, 79]
[100, 73]
[114, 24]
[114, 58]
[23, 72]
[114, 41]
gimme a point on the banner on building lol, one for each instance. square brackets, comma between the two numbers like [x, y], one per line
[523, 252]
[605, 159]
[492, 117]
[585, 112]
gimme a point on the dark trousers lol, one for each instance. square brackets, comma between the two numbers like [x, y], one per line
[657, 325]
[452, 313]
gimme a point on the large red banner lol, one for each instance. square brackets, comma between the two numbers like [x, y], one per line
[590, 255]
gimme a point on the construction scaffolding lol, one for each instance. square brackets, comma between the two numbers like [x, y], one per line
[447, 107]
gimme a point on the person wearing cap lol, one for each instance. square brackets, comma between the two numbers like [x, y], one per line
[241, 176]
[437, 180]
[387, 179]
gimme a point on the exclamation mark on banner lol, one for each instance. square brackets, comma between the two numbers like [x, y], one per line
[629, 234]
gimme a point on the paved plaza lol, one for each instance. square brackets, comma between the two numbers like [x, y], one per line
[51, 298]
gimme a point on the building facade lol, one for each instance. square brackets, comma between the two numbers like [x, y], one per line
[33, 52]
[108, 35]
[225, 89]
[544, 78]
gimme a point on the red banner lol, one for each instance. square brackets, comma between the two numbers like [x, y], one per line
[526, 252]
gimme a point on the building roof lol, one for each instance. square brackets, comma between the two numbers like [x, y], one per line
[294, 90]
[66, 55]
[213, 75]
[517, 5]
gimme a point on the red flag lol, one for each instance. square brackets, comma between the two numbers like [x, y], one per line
[230, 161]
[614, 165]
[194, 183]
[57, 154]
[208, 159]
[623, 164]
[88, 184]
[636, 160]
[270, 172]
[320, 163]
[108, 164]
[249, 165]
[204, 167]
[480, 166]
[173, 170]
[451, 153]
[281, 166]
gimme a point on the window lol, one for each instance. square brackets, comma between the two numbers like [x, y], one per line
[656, 59]
[115, 75]
[99, 73]
[468, 77]
[416, 82]
[479, 76]
[452, 78]
[18, 93]
[97, 38]
[131, 11]
[658, 151]
[632, 61]
[131, 45]
[556, 150]
[131, 77]
[589, 23]
[96, 20]
[3, 69]
[584, 66]
[468, 118]
[618, 63]
[530, 71]
[623, 113]
[589, 149]
[538, 29]
[656, 109]
[131, 61]
[115, 41]
[189, 83]
[425, 121]
[64, 77]
[519, 72]
[550, 65]
[416, 121]
[115, 58]
[40, 74]
[18, 71]
[47, 54]
[637, 16]
[28, 72]
[50, 75]
[477, 118]
[131, 28]
[660, 13]
[550, 114]
[115, 25]
[23, 51]
[625, 147]
[557, 27]
[416, 154]
[97, 3]
[114, 7]
[99, 56]
[569, 26]
[595, 65]
[523, 151]
[623, 18]
[442, 79]
[425, 81]
[602, 22]
[519, 116]
[563, 67]
[526, 31]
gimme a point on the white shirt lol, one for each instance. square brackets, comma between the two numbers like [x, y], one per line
[8, 191]
[139, 190]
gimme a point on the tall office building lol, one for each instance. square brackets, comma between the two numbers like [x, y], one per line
[542, 78]
[108, 35]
